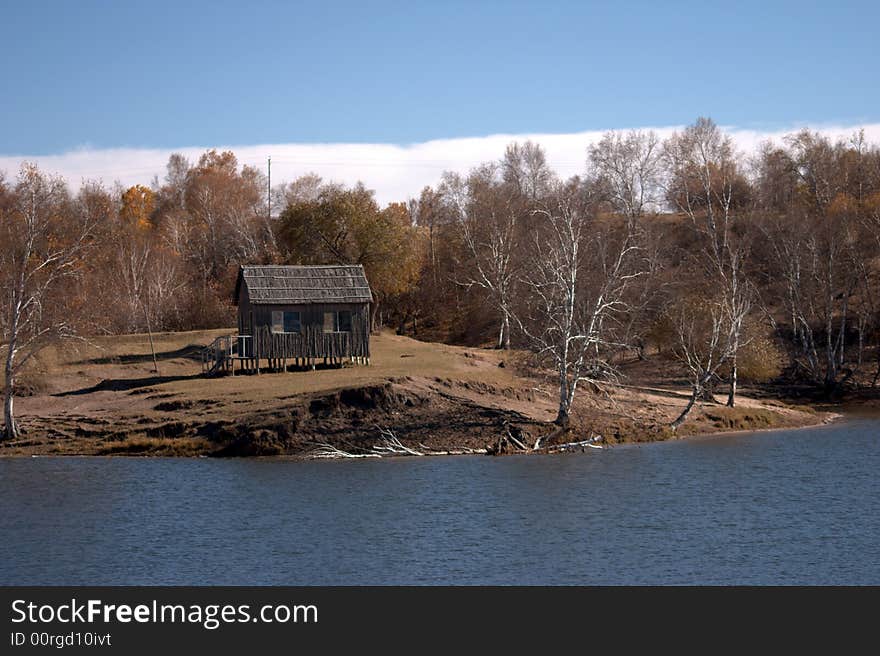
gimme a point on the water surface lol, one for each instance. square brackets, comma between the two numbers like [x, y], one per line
[774, 507]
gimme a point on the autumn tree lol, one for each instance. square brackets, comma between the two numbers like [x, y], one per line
[392, 252]
[209, 218]
[227, 208]
[438, 303]
[131, 253]
[819, 241]
[430, 213]
[45, 235]
[346, 226]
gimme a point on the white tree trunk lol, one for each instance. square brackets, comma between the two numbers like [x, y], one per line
[731, 393]
[687, 409]
[504, 332]
[566, 398]
[10, 427]
[10, 430]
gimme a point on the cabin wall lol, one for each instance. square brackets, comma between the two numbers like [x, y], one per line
[312, 341]
[244, 311]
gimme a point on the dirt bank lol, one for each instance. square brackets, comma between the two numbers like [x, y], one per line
[106, 399]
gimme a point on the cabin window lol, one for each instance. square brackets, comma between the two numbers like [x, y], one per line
[286, 322]
[344, 321]
[337, 322]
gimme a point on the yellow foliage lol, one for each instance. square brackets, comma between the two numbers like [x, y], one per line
[347, 226]
[760, 360]
[138, 203]
[842, 204]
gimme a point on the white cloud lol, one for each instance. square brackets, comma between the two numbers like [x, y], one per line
[396, 172]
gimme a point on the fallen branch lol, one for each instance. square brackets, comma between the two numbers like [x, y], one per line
[572, 446]
[461, 451]
[559, 430]
[515, 441]
[329, 451]
[391, 445]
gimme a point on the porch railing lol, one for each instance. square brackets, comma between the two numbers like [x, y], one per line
[217, 357]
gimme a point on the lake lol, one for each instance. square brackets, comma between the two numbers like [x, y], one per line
[797, 506]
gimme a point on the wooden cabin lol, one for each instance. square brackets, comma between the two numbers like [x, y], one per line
[300, 316]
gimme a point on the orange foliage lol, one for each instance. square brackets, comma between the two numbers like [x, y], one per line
[138, 203]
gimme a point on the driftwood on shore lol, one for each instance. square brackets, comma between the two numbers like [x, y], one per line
[574, 446]
[513, 441]
[388, 445]
[324, 451]
[509, 442]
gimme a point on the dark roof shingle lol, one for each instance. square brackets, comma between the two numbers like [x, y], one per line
[299, 284]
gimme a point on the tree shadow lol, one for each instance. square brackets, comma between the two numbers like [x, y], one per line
[189, 352]
[126, 384]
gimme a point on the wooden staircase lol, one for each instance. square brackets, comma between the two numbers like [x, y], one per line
[219, 356]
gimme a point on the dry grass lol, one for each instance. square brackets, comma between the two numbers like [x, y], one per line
[104, 397]
[154, 446]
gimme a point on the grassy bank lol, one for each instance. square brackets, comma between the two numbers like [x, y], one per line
[104, 398]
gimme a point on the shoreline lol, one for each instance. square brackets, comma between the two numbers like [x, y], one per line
[823, 418]
[830, 419]
[432, 398]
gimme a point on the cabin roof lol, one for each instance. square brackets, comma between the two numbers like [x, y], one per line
[301, 285]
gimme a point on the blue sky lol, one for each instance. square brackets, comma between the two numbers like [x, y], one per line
[165, 75]
[394, 93]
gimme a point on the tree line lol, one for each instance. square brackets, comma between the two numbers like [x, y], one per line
[736, 266]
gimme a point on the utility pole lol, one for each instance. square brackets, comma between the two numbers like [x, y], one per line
[269, 188]
[150, 333]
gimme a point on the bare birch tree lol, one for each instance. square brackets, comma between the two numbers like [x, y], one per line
[628, 169]
[489, 221]
[524, 167]
[818, 241]
[45, 235]
[705, 183]
[575, 284]
[705, 334]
